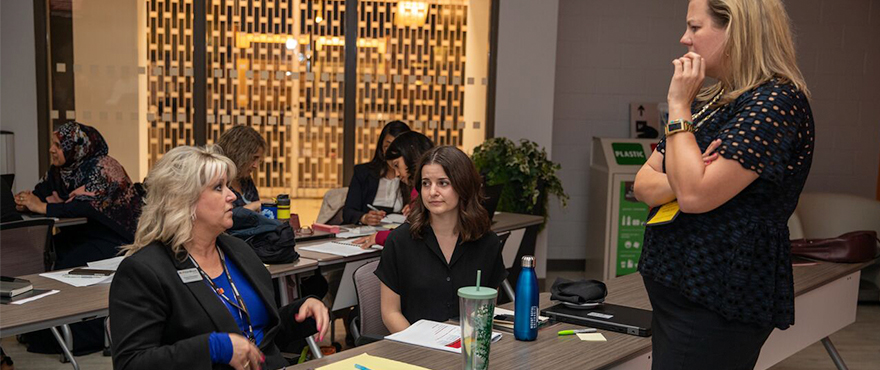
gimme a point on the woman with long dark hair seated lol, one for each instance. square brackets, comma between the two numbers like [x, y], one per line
[374, 183]
[403, 154]
[445, 240]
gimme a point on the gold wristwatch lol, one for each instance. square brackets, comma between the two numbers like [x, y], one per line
[678, 125]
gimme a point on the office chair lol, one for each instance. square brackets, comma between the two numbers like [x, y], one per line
[368, 326]
[27, 246]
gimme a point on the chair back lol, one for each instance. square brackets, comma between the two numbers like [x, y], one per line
[26, 246]
[368, 289]
[331, 207]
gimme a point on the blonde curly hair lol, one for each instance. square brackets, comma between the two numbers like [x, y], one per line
[174, 185]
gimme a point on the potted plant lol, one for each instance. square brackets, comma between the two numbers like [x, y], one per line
[528, 175]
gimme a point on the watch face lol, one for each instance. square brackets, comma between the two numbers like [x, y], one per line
[673, 126]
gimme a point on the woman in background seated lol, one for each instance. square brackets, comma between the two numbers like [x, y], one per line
[188, 295]
[403, 154]
[83, 181]
[445, 241]
[375, 183]
[246, 148]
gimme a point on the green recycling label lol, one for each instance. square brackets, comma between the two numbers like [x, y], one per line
[629, 153]
[632, 216]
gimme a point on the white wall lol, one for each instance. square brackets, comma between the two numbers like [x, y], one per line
[610, 53]
[18, 88]
[525, 80]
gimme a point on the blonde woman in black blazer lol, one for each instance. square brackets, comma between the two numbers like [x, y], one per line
[190, 297]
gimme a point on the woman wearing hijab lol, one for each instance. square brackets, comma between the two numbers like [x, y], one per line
[83, 181]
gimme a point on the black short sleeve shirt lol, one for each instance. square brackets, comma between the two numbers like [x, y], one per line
[416, 270]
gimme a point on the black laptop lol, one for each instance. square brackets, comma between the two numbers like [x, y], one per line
[611, 317]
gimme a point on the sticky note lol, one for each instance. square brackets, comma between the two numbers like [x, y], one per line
[592, 337]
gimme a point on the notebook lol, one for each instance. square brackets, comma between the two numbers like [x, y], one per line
[611, 317]
[11, 287]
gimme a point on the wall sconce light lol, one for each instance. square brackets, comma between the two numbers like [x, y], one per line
[411, 13]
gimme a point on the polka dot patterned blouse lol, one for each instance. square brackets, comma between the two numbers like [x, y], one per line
[736, 258]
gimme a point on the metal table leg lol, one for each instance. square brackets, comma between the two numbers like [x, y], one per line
[508, 289]
[316, 351]
[282, 294]
[835, 356]
[64, 347]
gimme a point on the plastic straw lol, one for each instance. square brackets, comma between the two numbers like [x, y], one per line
[479, 272]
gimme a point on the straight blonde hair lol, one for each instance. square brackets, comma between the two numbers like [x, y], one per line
[174, 186]
[759, 48]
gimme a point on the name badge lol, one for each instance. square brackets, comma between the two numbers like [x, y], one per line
[189, 275]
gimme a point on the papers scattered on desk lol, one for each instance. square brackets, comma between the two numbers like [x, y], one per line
[370, 362]
[592, 337]
[394, 218]
[355, 232]
[107, 264]
[436, 335]
[77, 280]
[340, 248]
[35, 297]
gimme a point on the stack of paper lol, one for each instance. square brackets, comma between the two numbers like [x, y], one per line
[81, 280]
[77, 280]
[436, 335]
[340, 248]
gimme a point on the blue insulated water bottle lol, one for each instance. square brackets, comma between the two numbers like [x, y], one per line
[525, 321]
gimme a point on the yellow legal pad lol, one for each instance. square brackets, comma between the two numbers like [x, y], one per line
[665, 214]
[370, 362]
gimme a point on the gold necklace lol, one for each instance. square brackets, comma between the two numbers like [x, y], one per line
[695, 117]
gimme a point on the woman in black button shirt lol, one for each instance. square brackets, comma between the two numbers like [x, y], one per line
[719, 274]
[441, 247]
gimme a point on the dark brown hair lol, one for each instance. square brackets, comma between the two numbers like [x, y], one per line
[473, 220]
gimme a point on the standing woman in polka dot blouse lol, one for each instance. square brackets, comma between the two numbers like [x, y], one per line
[722, 183]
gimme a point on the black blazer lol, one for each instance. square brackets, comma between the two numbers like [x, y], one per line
[158, 322]
[361, 191]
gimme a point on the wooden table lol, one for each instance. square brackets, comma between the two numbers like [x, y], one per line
[626, 351]
[504, 221]
[71, 304]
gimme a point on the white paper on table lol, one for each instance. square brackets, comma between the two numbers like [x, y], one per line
[435, 335]
[36, 297]
[394, 218]
[355, 232]
[340, 248]
[107, 264]
[77, 280]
